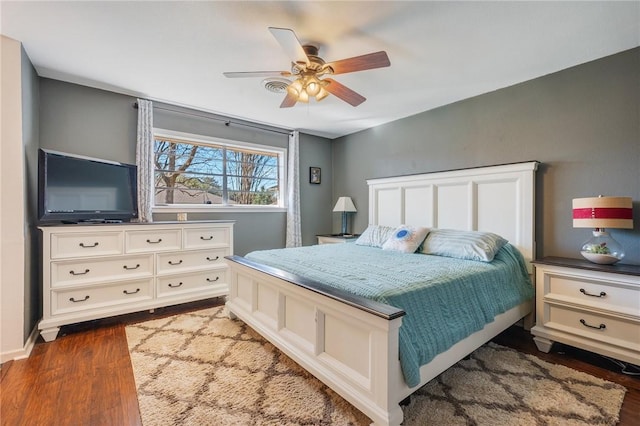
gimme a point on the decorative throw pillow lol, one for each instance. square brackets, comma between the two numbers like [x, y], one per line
[469, 245]
[375, 235]
[406, 238]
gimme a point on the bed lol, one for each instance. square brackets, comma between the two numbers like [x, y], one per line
[353, 343]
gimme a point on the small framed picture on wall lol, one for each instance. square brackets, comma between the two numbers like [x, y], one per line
[314, 175]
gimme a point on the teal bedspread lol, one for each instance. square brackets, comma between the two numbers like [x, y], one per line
[445, 299]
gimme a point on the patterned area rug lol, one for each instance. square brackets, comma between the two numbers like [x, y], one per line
[201, 368]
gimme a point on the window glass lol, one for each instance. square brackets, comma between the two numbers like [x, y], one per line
[215, 172]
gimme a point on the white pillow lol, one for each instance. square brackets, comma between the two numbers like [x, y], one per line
[375, 235]
[468, 245]
[406, 239]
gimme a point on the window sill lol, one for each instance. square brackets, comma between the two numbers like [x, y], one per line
[218, 209]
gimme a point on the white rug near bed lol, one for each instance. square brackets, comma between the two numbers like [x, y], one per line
[201, 368]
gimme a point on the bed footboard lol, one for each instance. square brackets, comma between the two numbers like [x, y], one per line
[350, 344]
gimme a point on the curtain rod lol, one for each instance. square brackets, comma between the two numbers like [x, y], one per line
[227, 122]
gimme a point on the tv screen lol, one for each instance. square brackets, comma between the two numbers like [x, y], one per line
[74, 188]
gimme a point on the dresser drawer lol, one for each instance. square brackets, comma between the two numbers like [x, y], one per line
[75, 245]
[81, 272]
[206, 237]
[603, 328]
[596, 294]
[184, 283]
[153, 240]
[79, 299]
[169, 263]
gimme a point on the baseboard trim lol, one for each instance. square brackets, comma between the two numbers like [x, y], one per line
[25, 351]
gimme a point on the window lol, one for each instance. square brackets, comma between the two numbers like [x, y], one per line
[200, 172]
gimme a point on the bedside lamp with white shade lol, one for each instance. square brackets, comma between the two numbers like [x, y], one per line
[601, 213]
[345, 206]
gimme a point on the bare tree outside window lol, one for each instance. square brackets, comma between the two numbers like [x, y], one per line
[192, 173]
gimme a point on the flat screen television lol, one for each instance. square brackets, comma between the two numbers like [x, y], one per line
[73, 188]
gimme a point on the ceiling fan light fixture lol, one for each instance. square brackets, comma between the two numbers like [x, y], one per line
[312, 86]
[295, 88]
[321, 94]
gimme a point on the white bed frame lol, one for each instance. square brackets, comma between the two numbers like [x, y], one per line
[351, 344]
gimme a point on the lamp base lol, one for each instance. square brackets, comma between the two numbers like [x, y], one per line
[602, 249]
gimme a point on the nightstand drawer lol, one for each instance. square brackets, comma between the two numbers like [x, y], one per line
[594, 326]
[612, 296]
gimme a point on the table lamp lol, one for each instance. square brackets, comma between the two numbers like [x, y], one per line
[344, 205]
[601, 213]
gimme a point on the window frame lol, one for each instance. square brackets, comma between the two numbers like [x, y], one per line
[229, 143]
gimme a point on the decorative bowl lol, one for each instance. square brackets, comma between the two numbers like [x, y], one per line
[602, 259]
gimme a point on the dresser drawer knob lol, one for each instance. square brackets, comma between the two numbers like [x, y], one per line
[583, 291]
[599, 327]
[155, 242]
[209, 238]
[130, 268]
[214, 280]
[212, 259]
[89, 246]
[79, 300]
[171, 262]
[175, 285]
[86, 271]
[131, 292]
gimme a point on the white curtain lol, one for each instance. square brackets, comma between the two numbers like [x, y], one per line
[144, 160]
[294, 231]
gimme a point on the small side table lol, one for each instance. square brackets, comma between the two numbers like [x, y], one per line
[590, 306]
[336, 238]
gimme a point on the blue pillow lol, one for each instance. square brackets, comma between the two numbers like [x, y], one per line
[375, 236]
[468, 245]
[406, 239]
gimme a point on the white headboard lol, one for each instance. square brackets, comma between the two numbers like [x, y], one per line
[499, 199]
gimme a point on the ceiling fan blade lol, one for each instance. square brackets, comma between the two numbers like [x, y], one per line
[361, 63]
[290, 43]
[343, 92]
[288, 101]
[257, 74]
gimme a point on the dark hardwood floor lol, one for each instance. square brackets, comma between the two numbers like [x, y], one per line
[85, 378]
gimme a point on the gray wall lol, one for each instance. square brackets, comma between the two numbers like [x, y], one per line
[30, 141]
[102, 124]
[582, 123]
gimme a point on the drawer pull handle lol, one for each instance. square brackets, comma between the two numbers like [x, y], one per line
[213, 281]
[206, 239]
[600, 327]
[79, 300]
[86, 271]
[131, 292]
[175, 285]
[88, 246]
[130, 268]
[175, 263]
[602, 293]
[155, 242]
[212, 259]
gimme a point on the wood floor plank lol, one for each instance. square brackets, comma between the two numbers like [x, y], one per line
[85, 376]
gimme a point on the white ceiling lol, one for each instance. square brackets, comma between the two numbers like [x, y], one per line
[440, 52]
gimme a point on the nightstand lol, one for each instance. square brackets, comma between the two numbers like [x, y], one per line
[589, 306]
[336, 238]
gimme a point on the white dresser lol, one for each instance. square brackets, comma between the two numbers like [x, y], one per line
[100, 270]
[590, 306]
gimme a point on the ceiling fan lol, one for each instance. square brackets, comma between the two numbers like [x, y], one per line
[307, 68]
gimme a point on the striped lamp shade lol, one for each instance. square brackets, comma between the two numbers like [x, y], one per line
[603, 212]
